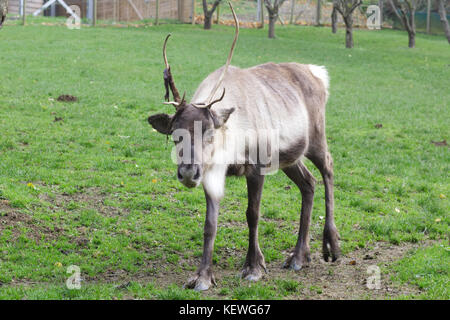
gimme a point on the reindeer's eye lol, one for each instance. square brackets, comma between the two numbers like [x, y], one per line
[208, 137]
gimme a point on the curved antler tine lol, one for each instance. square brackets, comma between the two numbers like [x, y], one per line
[183, 100]
[172, 103]
[230, 55]
[217, 100]
[164, 51]
[176, 104]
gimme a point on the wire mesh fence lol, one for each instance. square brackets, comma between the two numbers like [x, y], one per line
[301, 12]
[251, 13]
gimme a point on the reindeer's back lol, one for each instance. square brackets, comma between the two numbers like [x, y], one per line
[286, 97]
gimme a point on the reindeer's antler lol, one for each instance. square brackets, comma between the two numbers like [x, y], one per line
[168, 80]
[203, 105]
[230, 55]
[177, 104]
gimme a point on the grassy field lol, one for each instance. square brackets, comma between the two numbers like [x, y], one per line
[90, 184]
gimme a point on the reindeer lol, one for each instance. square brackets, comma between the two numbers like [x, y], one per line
[287, 98]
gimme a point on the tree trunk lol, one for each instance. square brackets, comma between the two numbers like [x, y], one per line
[348, 37]
[411, 39]
[443, 16]
[334, 20]
[208, 21]
[349, 31]
[208, 13]
[272, 21]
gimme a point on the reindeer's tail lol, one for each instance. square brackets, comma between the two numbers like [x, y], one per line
[321, 73]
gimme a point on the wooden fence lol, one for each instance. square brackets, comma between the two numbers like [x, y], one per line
[32, 5]
[118, 10]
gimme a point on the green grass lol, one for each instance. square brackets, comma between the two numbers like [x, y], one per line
[428, 269]
[104, 193]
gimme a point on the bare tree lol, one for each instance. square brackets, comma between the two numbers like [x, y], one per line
[405, 11]
[443, 15]
[3, 11]
[334, 19]
[346, 8]
[273, 14]
[209, 13]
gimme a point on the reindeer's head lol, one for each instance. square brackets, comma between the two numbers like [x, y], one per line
[194, 125]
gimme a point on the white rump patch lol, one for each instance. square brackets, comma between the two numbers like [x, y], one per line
[321, 73]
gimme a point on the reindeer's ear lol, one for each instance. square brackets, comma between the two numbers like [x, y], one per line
[160, 122]
[221, 117]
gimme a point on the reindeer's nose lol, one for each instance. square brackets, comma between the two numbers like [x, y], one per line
[189, 175]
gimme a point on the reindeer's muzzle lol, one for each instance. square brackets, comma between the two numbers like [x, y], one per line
[189, 175]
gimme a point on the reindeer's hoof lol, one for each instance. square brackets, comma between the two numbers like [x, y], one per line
[253, 274]
[200, 282]
[330, 244]
[297, 261]
[254, 267]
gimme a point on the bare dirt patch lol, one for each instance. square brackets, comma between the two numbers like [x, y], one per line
[15, 220]
[90, 198]
[345, 279]
[67, 98]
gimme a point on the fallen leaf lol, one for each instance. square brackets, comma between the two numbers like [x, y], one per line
[442, 196]
[437, 220]
[353, 262]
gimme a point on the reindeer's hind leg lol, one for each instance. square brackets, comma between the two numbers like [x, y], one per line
[305, 181]
[319, 155]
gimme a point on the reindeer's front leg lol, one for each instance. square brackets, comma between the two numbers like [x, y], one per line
[254, 262]
[204, 277]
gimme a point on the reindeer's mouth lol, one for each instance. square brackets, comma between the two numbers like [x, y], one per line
[189, 175]
[191, 184]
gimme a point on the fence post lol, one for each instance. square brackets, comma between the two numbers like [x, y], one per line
[218, 13]
[291, 20]
[428, 15]
[381, 6]
[94, 14]
[157, 13]
[318, 12]
[193, 12]
[24, 12]
[261, 10]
